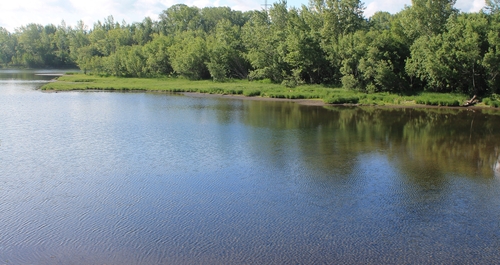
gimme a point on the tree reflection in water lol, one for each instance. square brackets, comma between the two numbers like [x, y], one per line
[439, 141]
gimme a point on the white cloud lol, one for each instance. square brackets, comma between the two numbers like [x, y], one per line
[247, 5]
[17, 13]
[394, 6]
[14, 14]
[477, 5]
[470, 6]
[391, 6]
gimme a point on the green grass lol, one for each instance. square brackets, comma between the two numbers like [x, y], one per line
[263, 88]
[492, 101]
[84, 82]
[441, 99]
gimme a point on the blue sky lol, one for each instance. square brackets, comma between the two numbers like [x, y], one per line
[16, 13]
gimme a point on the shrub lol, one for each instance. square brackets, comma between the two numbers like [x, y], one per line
[290, 83]
[276, 95]
[234, 92]
[251, 93]
[342, 100]
[350, 82]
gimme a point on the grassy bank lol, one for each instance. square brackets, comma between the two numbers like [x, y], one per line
[253, 89]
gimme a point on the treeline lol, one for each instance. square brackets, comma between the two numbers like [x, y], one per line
[429, 46]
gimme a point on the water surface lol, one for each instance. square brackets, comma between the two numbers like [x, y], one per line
[144, 178]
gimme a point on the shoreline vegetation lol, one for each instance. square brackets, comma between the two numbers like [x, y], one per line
[310, 52]
[262, 90]
[428, 54]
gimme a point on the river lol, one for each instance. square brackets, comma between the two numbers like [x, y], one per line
[152, 178]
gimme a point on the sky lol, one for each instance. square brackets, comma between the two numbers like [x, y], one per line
[17, 13]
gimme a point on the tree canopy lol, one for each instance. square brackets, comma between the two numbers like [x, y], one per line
[429, 45]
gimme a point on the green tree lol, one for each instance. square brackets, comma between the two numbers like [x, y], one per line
[382, 65]
[338, 18]
[304, 54]
[380, 21]
[426, 17]
[261, 39]
[142, 32]
[188, 55]
[114, 64]
[61, 43]
[211, 16]
[352, 48]
[34, 45]
[157, 56]
[491, 61]
[7, 46]
[452, 61]
[180, 18]
[79, 41]
[135, 61]
[225, 52]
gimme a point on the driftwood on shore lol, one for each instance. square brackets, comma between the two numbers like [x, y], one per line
[471, 102]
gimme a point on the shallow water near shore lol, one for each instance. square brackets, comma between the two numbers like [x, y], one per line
[150, 178]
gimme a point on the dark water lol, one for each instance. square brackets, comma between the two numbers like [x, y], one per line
[142, 178]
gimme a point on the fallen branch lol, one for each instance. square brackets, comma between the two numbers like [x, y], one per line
[471, 102]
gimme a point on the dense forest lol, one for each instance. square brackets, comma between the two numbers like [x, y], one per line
[427, 46]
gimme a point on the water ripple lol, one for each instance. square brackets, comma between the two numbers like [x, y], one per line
[110, 178]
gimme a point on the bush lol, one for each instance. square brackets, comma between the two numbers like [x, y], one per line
[251, 93]
[276, 95]
[342, 100]
[295, 96]
[350, 82]
[234, 92]
[290, 83]
[492, 102]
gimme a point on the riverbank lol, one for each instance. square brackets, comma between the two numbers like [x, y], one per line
[261, 90]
